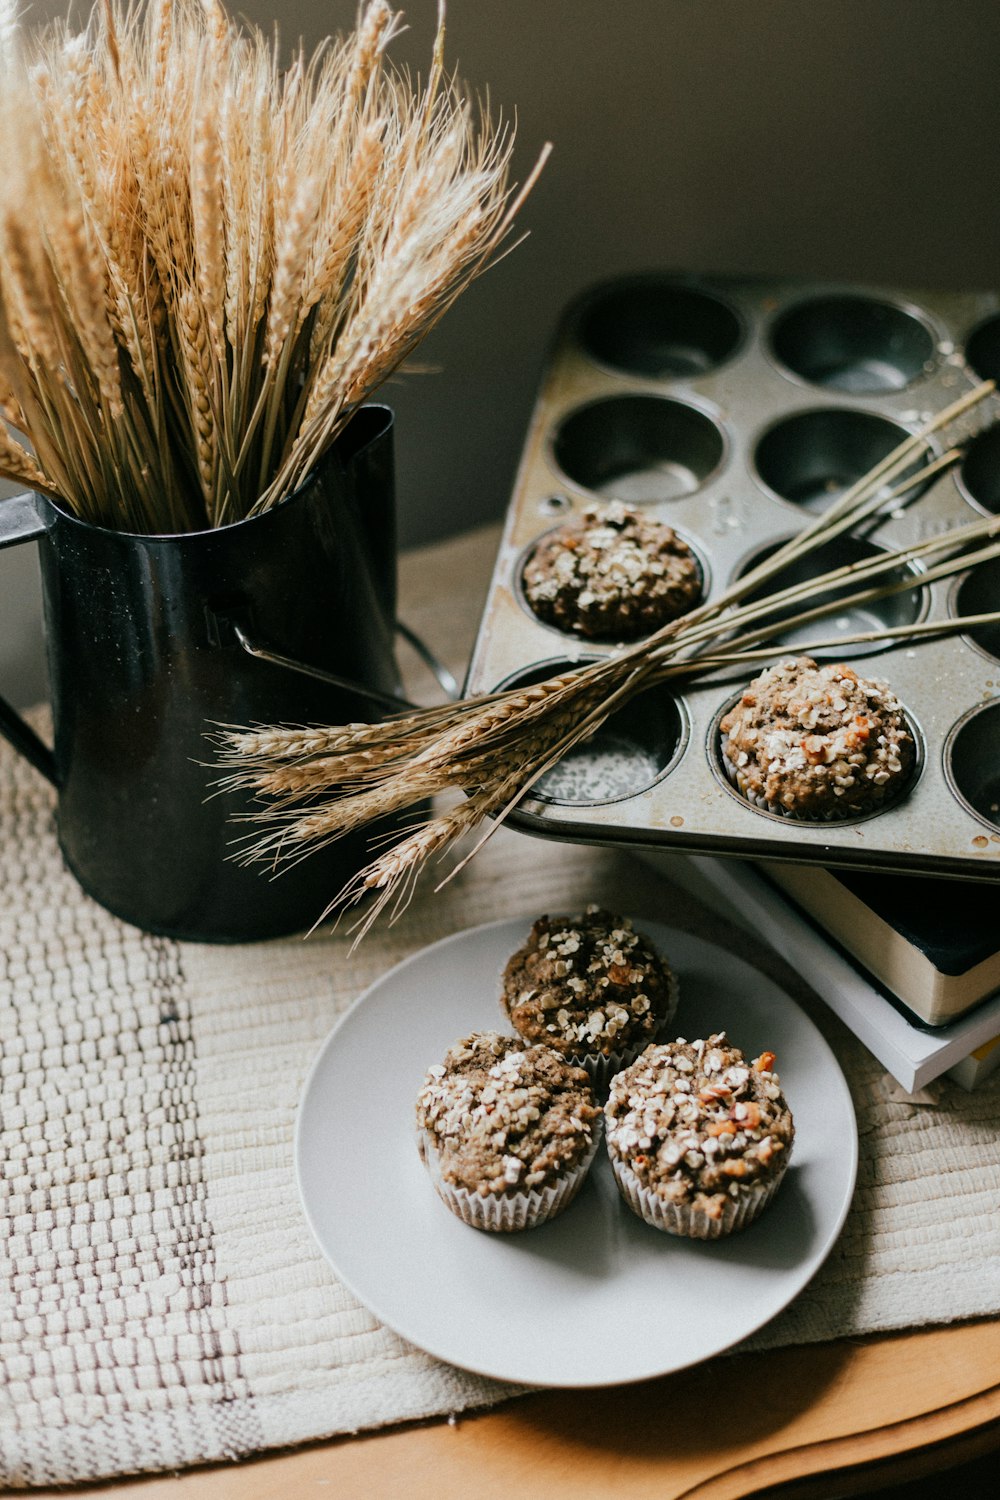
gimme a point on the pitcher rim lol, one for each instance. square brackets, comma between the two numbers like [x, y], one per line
[231, 526]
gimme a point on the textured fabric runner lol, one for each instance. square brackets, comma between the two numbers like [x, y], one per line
[162, 1302]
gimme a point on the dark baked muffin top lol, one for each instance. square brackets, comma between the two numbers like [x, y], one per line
[616, 574]
[818, 741]
[588, 984]
[506, 1118]
[697, 1123]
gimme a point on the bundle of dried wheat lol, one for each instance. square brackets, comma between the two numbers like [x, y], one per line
[210, 260]
[318, 784]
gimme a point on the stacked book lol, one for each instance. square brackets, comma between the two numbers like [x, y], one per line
[910, 964]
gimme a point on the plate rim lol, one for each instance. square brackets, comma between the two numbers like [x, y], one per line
[587, 1383]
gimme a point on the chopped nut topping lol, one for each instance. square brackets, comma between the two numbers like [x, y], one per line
[697, 1147]
[817, 741]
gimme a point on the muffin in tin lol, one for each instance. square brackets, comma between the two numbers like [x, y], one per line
[699, 1138]
[817, 742]
[591, 987]
[615, 575]
[507, 1131]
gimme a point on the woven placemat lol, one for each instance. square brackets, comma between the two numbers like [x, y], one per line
[164, 1303]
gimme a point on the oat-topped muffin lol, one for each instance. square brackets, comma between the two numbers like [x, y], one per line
[616, 575]
[699, 1138]
[507, 1132]
[591, 987]
[817, 742]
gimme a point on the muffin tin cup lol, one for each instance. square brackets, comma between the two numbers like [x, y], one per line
[811, 457]
[875, 614]
[982, 348]
[691, 1223]
[972, 764]
[858, 344]
[655, 329]
[626, 755]
[802, 386]
[639, 448]
[506, 1213]
[979, 593]
[979, 476]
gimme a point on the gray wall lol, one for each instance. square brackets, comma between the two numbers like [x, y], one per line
[849, 138]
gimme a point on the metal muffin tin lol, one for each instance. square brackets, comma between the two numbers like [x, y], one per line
[734, 410]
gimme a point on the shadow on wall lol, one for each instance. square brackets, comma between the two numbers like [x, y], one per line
[776, 136]
[717, 135]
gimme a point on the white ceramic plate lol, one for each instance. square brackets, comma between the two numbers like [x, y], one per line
[596, 1297]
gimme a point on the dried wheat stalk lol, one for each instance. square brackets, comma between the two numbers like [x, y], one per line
[317, 784]
[210, 260]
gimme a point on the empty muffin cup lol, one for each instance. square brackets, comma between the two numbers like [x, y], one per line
[659, 330]
[982, 349]
[634, 748]
[978, 593]
[810, 459]
[639, 448]
[972, 762]
[979, 476]
[852, 619]
[859, 345]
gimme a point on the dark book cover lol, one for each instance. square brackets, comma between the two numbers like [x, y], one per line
[955, 924]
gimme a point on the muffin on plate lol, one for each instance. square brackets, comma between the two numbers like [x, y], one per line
[699, 1138]
[614, 575]
[591, 987]
[817, 742]
[507, 1131]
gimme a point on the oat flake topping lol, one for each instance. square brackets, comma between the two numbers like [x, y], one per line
[697, 1123]
[588, 984]
[505, 1117]
[618, 574]
[818, 741]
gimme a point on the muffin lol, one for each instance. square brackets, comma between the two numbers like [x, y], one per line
[817, 742]
[590, 987]
[616, 575]
[507, 1132]
[699, 1138]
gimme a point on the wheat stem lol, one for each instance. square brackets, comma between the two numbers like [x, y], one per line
[891, 634]
[499, 746]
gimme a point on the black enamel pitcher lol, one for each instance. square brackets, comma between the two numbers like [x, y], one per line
[153, 640]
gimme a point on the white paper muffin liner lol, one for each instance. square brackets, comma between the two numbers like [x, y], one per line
[691, 1223]
[506, 1213]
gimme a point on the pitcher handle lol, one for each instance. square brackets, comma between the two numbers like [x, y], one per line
[387, 701]
[20, 522]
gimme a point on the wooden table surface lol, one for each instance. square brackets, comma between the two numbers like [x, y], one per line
[825, 1420]
[819, 1420]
